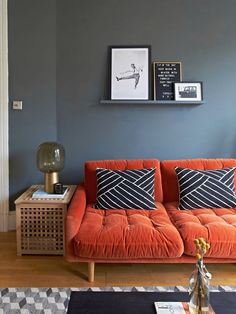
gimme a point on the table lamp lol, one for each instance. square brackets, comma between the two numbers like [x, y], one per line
[50, 160]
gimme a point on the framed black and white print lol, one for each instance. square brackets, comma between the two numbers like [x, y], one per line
[130, 72]
[188, 91]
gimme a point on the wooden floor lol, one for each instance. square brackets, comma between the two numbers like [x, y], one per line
[54, 271]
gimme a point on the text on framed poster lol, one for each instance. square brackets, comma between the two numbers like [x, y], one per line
[165, 74]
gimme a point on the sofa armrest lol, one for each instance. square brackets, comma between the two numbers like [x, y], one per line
[73, 221]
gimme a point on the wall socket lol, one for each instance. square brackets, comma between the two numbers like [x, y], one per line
[17, 105]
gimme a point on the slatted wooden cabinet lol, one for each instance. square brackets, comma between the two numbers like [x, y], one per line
[40, 223]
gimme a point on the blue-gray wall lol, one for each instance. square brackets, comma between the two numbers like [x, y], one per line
[58, 53]
[32, 78]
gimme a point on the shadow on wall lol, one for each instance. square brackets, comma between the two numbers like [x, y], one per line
[23, 168]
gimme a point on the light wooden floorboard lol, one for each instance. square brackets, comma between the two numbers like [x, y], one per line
[54, 271]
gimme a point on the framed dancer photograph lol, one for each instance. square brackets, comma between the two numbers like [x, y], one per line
[130, 72]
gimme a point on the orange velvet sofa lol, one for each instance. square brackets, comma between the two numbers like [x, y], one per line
[164, 235]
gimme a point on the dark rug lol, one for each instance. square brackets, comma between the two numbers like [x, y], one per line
[140, 302]
[56, 300]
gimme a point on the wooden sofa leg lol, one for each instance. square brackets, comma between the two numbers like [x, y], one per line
[91, 266]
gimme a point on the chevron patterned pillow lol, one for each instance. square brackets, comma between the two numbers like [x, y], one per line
[206, 188]
[125, 189]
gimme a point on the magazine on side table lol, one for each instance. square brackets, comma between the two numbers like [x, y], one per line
[41, 194]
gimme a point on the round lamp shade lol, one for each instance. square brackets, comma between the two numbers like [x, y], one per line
[50, 157]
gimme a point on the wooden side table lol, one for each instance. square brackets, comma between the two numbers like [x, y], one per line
[40, 223]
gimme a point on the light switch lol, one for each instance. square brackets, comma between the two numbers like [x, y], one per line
[17, 105]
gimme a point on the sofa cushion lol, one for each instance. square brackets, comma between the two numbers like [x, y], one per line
[125, 189]
[127, 234]
[206, 188]
[217, 226]
[90, 179]
[169, 178]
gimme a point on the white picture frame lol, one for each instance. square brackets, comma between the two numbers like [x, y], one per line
[130, 73]
[188, 91]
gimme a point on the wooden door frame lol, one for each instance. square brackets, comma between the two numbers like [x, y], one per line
[4, 128]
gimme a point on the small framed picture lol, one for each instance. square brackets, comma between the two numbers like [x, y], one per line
[188, 91]
[130, 72]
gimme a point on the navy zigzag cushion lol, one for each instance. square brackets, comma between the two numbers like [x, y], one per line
[125, 189]
[206, 188]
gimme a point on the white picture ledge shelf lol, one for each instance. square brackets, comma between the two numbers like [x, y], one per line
[154, 102]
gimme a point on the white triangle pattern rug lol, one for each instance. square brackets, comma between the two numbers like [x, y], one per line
[56, 300]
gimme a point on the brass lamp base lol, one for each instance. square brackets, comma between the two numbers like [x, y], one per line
[50, 178]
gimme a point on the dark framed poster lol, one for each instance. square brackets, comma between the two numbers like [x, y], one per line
[130, 72]
[165, 75]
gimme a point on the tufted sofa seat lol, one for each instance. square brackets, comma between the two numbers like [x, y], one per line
[147, 236]
[217, 226]
[127, 234]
